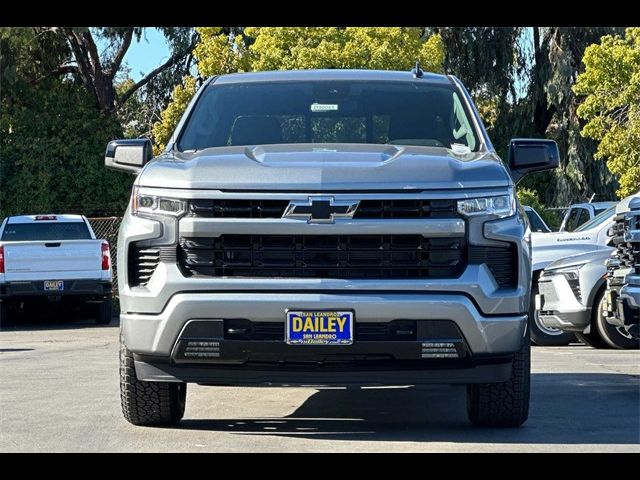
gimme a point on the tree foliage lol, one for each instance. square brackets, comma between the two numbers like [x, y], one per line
[611, 84]
[221, 51]
[521, 79]
[529, 197]
[52, 135]
[163, 129]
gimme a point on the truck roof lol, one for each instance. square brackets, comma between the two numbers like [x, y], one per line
[330, 74]
[595, 204]
[43, 218]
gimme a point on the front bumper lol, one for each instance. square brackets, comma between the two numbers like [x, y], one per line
[627, 306]
[30, 289]
[154, 339]
[558, 306]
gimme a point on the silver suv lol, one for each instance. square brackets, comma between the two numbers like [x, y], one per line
[331, 227]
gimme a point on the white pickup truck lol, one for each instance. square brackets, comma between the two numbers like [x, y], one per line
[546, 248]
[54, 258]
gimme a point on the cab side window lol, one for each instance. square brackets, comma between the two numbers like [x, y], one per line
[576, 217]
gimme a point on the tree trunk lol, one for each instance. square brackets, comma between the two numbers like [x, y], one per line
[542, 113]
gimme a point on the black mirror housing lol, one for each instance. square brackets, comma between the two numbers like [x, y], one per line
[528, 155]
[128, 155]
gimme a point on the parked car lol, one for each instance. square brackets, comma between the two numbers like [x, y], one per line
[535, 220]
[571, 298]
[546, 248]
[54, 258]
[580, 213]
[326, 227]
[621, 305]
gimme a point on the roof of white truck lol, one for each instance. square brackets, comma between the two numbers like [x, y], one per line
[45, 218]
[595, 204]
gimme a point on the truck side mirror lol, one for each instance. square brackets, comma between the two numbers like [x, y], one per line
[128, 155]
[528, 155]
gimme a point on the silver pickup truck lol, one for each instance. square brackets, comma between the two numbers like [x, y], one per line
[331, 227]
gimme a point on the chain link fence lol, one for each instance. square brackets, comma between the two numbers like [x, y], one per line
[106, 228]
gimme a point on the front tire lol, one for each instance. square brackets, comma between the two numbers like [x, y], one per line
[542, 335]
[503, 404]
[148, 403]
[592, 339]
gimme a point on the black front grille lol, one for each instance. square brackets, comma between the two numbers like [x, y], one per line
[502, 261]
[406, 209]
[396, 330]
[627, 253]
[323, 256]
[237, 208]
[143, 262]
[367, 209]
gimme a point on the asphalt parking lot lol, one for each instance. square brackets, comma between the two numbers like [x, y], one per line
[60, 394]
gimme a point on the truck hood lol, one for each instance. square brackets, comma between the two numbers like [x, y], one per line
[597, 256]
[308, 167]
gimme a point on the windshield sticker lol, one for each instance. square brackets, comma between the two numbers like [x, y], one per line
[324, 107]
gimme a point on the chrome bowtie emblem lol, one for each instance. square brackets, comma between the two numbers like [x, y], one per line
[321, 209]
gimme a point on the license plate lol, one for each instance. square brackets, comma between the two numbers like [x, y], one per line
[53, 285]
[319, 327]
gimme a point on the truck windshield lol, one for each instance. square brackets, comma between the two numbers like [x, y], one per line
[597, 220]
[399, 113]
[21, 232]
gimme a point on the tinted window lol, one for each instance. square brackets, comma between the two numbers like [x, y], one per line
[582, 217]
[597, 220]
[599, 210]
[572, 220]
[19, 232]
[400, 113]
[537, 225]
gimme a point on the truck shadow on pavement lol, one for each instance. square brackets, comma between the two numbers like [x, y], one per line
[565, 409]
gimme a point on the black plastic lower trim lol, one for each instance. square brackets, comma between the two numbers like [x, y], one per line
[272, 375]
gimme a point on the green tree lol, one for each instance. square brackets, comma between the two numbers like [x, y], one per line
[611, 84]
[98, 70]
[530, 198]
[521, 79]
[163, 129]
[222, 51]
[52, 135]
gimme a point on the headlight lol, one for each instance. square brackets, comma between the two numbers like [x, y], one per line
[142, 203]
[500, 206]
[570, 273]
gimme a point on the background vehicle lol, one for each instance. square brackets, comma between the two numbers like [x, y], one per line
[580, 213]
[571, 298]
[327, 227]
[535, 220]
[621, 306]
[546, 248]
[54, 258]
